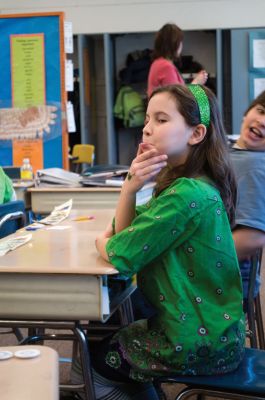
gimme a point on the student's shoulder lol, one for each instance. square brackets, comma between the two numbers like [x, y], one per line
[195, 188]
[252, 159]
[2, 173]
[162, 63]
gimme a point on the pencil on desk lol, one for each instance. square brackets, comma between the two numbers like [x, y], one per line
[83, 218]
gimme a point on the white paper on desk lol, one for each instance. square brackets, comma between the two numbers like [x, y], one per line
[105, 300]
[71, 127]
[13, 243]
[58, 228]
[68, 37]
[66, 206]
[69, 76]
[58, 214]
[114, 182]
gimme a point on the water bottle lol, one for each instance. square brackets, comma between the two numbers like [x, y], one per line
[26, 171]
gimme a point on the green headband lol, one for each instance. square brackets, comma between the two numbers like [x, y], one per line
[203, 103]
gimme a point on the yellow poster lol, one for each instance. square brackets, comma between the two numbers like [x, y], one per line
[28, 70]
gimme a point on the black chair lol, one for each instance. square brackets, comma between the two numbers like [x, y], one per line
[12, 218]
[247, 382]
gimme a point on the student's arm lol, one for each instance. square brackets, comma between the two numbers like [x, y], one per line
[7, 192]
[14, 196]
[146, 165]
[102, 240]
[248, 241]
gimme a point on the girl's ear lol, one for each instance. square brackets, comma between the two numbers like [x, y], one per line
[198, 134]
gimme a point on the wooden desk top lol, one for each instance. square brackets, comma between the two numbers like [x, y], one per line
[20, 184]
[70, 189]
[58, 188]
[69, 251]
[25, 379]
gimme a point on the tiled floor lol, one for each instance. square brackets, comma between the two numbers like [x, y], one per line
[64, 349]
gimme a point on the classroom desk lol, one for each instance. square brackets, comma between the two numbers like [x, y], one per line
[44, 199]
[22, 193]
[25, 379]
[59, 278]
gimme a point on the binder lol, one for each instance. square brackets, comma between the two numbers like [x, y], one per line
[58, 176]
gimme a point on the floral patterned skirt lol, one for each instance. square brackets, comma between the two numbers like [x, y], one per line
[139, 353]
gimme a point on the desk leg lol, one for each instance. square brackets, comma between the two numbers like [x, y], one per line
[85, 361]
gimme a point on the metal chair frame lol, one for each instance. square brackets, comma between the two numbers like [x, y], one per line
[7, 216]
[18, 215]
[254, 311]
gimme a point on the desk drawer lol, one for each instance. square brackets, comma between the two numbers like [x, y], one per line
[52, 296]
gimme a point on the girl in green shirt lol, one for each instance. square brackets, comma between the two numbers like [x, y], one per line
[180, 246]
[7, 192]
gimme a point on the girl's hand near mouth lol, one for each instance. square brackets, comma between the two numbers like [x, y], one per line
[146, 165]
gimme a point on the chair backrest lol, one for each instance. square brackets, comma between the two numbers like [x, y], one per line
[12, 217]
[84, 152]
[254, 271]
[12, 172]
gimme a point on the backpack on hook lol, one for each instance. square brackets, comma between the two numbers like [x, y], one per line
[129, 107]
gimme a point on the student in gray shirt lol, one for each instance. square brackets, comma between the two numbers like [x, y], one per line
[248, 158]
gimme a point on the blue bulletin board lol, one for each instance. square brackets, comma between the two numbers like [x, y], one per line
[256, 63]
[32, 90]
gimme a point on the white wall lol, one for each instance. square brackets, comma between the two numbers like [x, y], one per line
[110, 16]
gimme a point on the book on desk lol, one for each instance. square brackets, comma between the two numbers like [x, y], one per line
[106, 178]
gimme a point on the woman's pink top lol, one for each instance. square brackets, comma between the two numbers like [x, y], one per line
[162, 72]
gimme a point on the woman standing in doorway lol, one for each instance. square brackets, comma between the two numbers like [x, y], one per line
[167, 49]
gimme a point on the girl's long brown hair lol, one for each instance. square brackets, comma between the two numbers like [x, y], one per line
[167, 42]
[209, 158]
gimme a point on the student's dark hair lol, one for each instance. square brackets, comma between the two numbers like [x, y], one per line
[208, 158]
[258, 100]
[167, 41]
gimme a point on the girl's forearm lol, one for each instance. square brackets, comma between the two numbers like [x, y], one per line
[248, 241]
[101, 243]
[125, 211]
